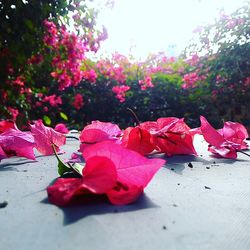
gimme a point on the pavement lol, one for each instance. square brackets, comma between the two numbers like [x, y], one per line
[192, 203]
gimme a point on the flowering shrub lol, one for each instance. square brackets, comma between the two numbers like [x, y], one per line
[57, 80]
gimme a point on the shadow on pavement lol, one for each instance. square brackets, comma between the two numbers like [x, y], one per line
[97, 205]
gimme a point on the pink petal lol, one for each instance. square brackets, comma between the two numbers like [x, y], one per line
[132, 168]
[45, 137]
[61, 128]
[211, 135]
[17, 143]
[99, 131]
[236, 133]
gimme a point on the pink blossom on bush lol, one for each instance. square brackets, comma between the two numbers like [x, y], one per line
[78, 101]
[120, 92]
[90, 75]
[146, 83]
[53, 100]
[14, 112]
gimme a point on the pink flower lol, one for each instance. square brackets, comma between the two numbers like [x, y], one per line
[53, 100]
[146, 83]
[110, 170]
[14, 112]
[224, 142]
[171, 136]
[120, 92]
[78, 101]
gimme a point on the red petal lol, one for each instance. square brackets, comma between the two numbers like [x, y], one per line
[6, 125]
[173, 137]
[64, 189]
[99, 174]
[137, 139]
[123, 196]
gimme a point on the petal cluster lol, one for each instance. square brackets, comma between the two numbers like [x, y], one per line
[110, 170]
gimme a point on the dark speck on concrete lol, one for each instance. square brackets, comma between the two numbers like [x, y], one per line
[206, 187]
[190, 165]
[3, 204]
[178, 184]
[174, 205]
[207, 167]
[164, 228]
[172, 169]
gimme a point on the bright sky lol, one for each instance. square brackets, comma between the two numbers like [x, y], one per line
[149, 26]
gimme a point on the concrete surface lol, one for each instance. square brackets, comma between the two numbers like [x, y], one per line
[206, 206]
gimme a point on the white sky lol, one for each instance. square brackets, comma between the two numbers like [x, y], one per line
[145, 26]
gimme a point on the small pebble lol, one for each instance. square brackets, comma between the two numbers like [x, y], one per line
[174, 205]
[190, 165]
[172, 169]
[206, 187]
[3, 204]
[207, 167]
[164, 228]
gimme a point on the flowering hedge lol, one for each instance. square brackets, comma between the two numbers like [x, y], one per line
[57, 81]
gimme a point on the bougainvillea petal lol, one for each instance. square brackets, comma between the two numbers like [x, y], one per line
[132, 168]
[223, 151]
[236, 133]
[61, 128]
[124, 195]
[6, 125]
[218, 145]
[99, 174]
[171, 136]
[211, 135]
[2, 154]
[137, 139]
[99, 131]
[64, 189]
[45, 137]
[17, 143]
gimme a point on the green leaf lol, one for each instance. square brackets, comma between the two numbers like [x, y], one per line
[64, 116]
[47, 120]
[62, 168]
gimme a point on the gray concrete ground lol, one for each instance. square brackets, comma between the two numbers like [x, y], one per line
[205, 205]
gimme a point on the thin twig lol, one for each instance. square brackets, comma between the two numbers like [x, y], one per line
[135, 116]
[240, 151]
